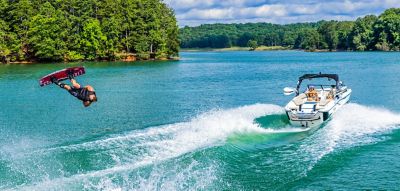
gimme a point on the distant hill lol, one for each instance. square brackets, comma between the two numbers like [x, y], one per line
[367, 33]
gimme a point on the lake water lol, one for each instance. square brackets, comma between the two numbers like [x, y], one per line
[190, 125]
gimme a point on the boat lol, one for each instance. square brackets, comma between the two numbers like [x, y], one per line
[317, 102]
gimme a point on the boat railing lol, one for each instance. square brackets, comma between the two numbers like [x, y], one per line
[322, 86]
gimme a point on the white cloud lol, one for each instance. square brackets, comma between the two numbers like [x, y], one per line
[196, 12]
[234, 13]
[182, 5]
[207, 14]
[263, 11]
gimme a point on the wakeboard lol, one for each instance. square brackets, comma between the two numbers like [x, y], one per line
[61, 75]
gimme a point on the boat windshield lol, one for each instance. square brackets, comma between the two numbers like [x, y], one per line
[318, 84]
[319, 87]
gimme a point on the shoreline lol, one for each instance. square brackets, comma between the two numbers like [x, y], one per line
[134, 58]
[268, 48]
[235, 48]
[128, 59]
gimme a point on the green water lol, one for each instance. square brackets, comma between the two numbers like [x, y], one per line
[211, 121]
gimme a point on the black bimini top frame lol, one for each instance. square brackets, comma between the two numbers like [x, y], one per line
[311, 76]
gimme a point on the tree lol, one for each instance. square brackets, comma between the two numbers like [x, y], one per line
[239, 34]
[172, 31]
[86, 29]
[387, 29]
[289, 39]
[362, 34]
[4, 49]
[111, 31]
[344, 29]
[45, 35]
[329, 34]
[93, 41]
[18, 18]
[219, 41]
[382, 44]
[244, 39]
[309, 39]
[252, 44]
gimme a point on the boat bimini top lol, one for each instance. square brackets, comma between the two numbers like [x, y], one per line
[312, 76]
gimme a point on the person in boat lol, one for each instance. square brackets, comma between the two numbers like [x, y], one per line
[86, 94]
[330, 95]
[312, 94]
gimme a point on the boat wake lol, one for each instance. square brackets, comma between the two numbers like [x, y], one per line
[353, 125]
[153, 145]
[168, 157]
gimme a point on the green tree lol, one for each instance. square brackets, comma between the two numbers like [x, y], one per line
[308, 39]
[329, 34]
[93, 41]
[382, 44]
[18, 18]
[272, 39]
[244, 39]
[362, 34]
[45, 35]
[111, 29]
[344, 29]
[171, 32]
[87, 29]
[4, 49]
[289, 39]
[143, 48]
[387, 29]
[252, 44]
[239, 34]
[132, 24]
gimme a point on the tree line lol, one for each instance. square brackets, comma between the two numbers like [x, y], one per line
[86, 29]
[366, 33]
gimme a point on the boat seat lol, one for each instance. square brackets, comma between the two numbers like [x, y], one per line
[324, 102]
[300, 99]
[324, 95]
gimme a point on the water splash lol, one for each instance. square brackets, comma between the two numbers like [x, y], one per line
[353, 125]
[142, 159]
[151, 146]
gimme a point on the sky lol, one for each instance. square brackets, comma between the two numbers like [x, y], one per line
[197, 12]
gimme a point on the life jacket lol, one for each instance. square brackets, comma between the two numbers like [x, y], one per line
[81, 93]
[312, 95]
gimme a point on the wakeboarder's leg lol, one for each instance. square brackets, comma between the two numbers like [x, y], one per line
[73, 81]
[70, 74]
[75, 84]
[62, 85]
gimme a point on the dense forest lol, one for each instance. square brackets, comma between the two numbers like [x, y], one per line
[367, 33]
[68, 30]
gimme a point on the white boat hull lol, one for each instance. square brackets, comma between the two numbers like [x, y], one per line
[316, 118]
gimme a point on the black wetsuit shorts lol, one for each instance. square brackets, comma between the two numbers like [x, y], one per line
[80, 93]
